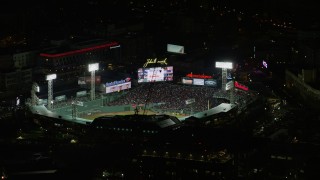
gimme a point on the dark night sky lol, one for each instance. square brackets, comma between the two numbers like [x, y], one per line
[42, 15]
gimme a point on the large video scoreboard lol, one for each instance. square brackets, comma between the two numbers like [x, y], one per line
[155, 74]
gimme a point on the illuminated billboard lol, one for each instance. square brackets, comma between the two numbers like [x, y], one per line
[81, 93]
[210, 82]
[202, 76]
[199, 82]
[155, 74]
[240, 86]
[175, 48]
[224, 65]
[117, 86]
[187, 81]
[155, 61]
[229, 85]
[229, 77]
[60, 98]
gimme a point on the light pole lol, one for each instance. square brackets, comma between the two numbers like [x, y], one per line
[224, 66]
[34, 99]
[230, 86]
[49, 78]
[92, 68]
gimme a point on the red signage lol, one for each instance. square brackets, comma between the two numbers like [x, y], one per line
[240, 86]
[111, 44]
[199, 76]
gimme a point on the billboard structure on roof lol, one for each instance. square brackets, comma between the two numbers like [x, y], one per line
[175, 49]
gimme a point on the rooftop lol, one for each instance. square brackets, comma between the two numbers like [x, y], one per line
[161, 121]
[78, 48]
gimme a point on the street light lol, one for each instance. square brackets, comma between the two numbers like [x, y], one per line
[92, 68]
[49, 78]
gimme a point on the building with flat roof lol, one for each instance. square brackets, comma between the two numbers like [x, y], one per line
[69, 61]
[132, 127]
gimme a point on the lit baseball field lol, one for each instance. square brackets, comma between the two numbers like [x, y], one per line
[93, 109]
[147, 112]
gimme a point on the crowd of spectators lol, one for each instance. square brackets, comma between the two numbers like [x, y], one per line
[172, 97]
[168, 97]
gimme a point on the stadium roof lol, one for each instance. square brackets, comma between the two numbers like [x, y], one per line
[55, 53]
[137, 121]
[42, 110]
[223, 107]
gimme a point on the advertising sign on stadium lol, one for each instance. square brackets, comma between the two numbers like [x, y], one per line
[187, 81]
[240, 86]
[78, 103]
[117, 86]
[155, 74]
[60, 98]
[190, 101]
[155, 61]
[175, 48]
[81, 93]
[199, 82]
[118, 82]
[210, 82]
[199, 76]
[229, 85]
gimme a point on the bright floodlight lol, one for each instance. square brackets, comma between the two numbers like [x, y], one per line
[51, 77]
[225, 65]
[93, 67]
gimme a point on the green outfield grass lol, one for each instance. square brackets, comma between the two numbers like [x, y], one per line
[147, 112]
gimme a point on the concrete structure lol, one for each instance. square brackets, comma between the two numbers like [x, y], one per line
[296, 83]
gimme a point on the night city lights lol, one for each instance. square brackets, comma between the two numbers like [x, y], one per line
[181, 89]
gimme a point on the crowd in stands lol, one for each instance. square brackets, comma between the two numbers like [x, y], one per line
[168, 97]
[172, 97]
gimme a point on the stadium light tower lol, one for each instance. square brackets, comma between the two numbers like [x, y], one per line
[34, 98]
[224, 66]
[92, 68]
[230, 87]
[49, 78]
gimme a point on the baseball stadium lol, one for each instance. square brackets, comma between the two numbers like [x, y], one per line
[154, 94]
